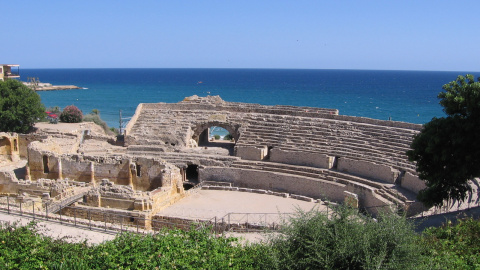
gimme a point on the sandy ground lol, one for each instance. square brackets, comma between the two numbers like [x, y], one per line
[207, 204]
[71, 127]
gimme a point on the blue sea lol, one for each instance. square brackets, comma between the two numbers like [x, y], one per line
[408, 96]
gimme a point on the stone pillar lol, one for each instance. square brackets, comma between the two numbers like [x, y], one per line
[139, 205]
[27, 173]
[60, 170]
[131, 173]
[92, 173]
[351, 199]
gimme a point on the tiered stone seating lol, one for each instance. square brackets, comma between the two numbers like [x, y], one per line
[286, 128]
[389, 192]
[180, 159]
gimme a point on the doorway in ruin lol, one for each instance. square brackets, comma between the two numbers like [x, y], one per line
[191, 173]
[216, 135]
[5, 146]
[191, 177]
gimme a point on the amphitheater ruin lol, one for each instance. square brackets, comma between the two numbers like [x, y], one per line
[304, 153]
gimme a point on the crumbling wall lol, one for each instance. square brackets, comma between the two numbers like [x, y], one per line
[116, 171]
[25, 139]
[9, 150]
[42, 163]
[8, 182]
[147, 174]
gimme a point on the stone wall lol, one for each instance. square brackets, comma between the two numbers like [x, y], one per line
[115, 216]
[9, 149]
[318, 189]
[368, 169]
[412, 183]
[251, 152]
[8, 182]
[301, 158]
[143, 174]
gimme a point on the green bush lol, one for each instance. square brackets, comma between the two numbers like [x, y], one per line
[71, 114]
[346, 240]
[311, 240]
[20, 107]
[455, 246]
[228, 137]
[95, 118]
[22, 248]
[216, 136]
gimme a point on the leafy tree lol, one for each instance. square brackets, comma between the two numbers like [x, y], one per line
[71, 114]
[446, 151]
[20, 107]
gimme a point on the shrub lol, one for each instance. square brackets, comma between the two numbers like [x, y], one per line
[346, 240]
[71, 114]
[169, 249]
[228, 137]
[95, 118]
[216, 136]
[454, 245]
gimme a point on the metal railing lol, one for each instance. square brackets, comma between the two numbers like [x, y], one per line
[114, 220]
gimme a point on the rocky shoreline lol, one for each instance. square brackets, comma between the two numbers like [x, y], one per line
[50, 87]
[57, 87]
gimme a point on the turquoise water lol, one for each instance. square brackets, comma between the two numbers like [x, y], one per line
[409, 96]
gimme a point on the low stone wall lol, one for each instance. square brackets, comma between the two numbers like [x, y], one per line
[251, 152]
[368, 169]
[117, 203]
[317, 189]
[301, 158]
[8, 182]
[412, 183]
[115, 216]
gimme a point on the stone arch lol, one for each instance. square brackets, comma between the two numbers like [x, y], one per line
[5, 146]
[200, 128]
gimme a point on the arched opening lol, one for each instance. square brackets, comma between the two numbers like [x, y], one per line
[5, 146]
[216, 136]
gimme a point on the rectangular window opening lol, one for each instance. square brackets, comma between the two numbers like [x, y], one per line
[139, 172]
[45, 165]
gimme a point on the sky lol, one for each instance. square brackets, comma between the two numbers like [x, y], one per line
[363, 34]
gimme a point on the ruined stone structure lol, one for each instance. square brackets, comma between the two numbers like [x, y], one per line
[301, 152]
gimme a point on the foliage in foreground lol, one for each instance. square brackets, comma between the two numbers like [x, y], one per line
[311, 241]
[347, 240]
[453, 246]
[447, 150]
[71, 114]
[20, 107]
[173, 249]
